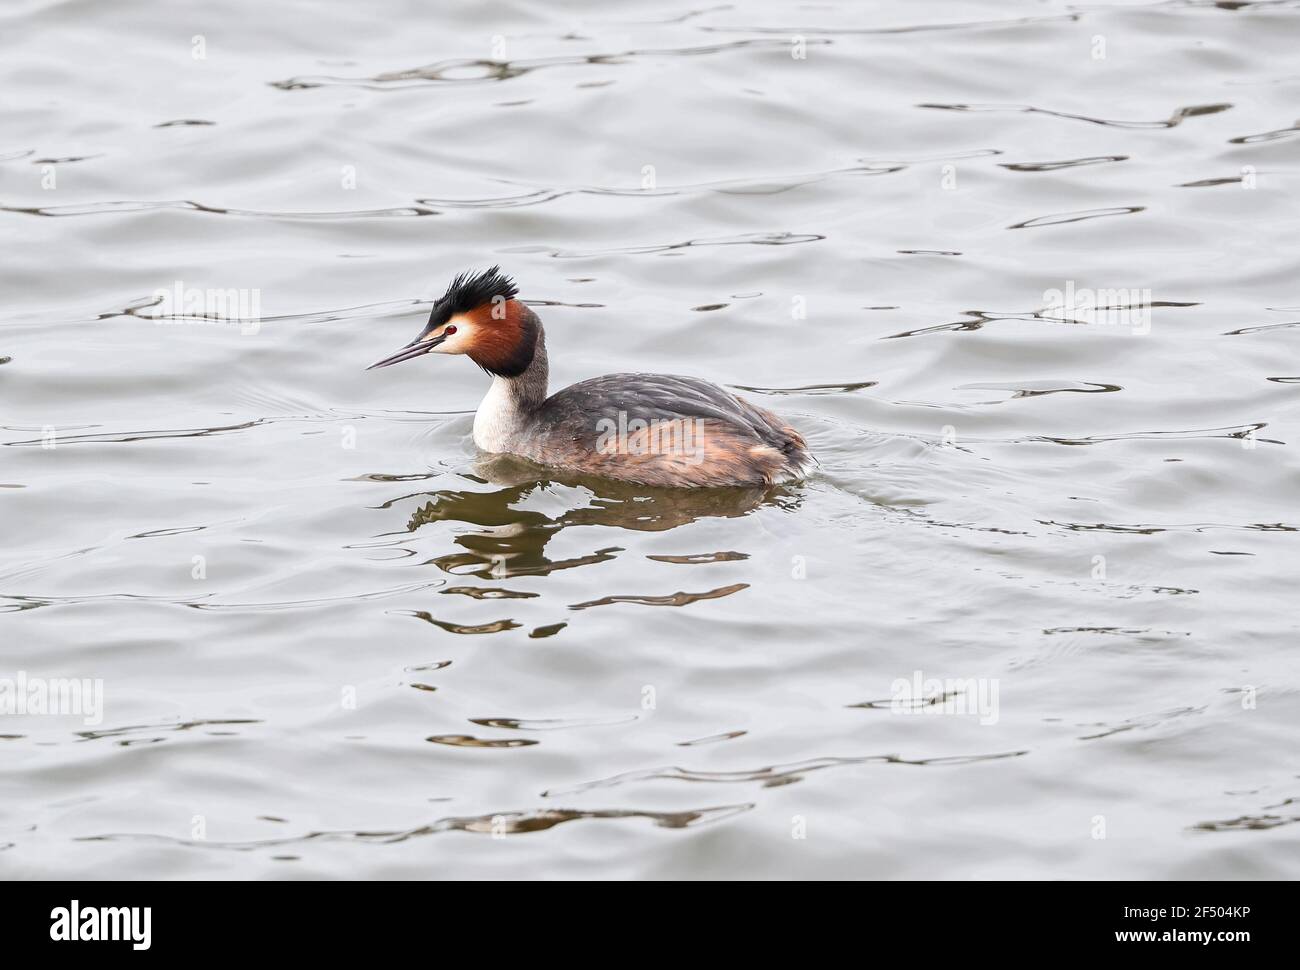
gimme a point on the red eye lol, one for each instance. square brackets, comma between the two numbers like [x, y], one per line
[449, 331]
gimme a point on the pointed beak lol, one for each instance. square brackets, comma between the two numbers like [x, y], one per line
[416, 348]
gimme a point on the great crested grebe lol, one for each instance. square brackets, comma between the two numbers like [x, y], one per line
[648, 429]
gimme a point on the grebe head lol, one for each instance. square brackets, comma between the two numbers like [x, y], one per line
[478, 316]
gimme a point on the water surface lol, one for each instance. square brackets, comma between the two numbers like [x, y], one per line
[334, 644]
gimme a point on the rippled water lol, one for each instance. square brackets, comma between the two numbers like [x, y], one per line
[323, 629]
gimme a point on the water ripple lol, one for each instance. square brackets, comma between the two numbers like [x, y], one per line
[552, 723]
[907, 28]
[204, 602]
[672, 599]
[109, 208]
[1062, 218]
[772, 775]
[1173, 121]
[468, 741]
[1064, 163]
[476, 70]
[749, 185]
[1275, 135]
[745, 239]
[500, 823]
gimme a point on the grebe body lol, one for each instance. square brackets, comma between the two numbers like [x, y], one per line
[648, 429]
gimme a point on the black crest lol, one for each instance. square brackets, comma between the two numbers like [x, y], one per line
[469, 291]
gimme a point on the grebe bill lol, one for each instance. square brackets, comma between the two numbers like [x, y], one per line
[647, 429]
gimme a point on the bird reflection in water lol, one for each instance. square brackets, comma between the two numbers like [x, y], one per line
[509, 540]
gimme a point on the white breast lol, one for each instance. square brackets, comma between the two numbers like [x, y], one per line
[498, 418]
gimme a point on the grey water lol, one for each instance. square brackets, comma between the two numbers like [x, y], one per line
[1023, 273]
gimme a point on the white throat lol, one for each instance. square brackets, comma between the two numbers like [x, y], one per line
[505, 416]
[500, 417]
